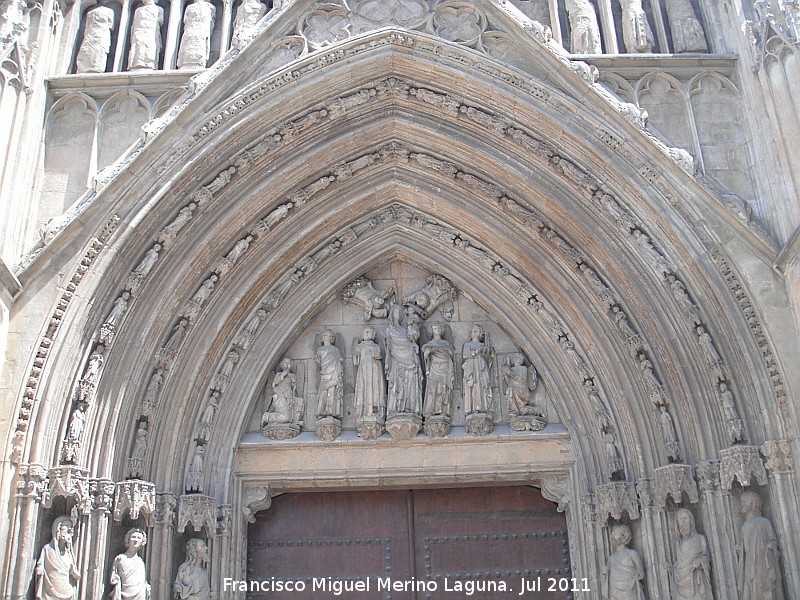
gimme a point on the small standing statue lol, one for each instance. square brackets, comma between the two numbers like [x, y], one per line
[96, 44]
[56, 573]
[370, 392]
[692, 571]
[192, 580]
[636, 32]
[477, 384]
[198, 25]
[330, 390]
[284, 414]
[584, 31]
[521, 382]
[128, 575]
[146, 48]
[625, 571]
[248, 15]
[440, 377]
[404, 374]
[759, 575]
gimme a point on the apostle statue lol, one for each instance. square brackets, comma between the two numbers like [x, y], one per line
[331, 377]
[198, 25]
[691, 573]
[146, 41]
[370, 395]
[248, 14]
[192, 580]
[759, 575]
[477, 387]
[56, 573]
[584, 31]
[636, 32]
[625, 570]
[128, 576]
[96, 44]
[403, 368]
[439, 373]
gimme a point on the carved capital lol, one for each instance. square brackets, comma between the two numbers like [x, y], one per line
[166, 502]
[708, 475]
[224, 520]
[557, 489]
[68, 482]
[742, 463]
[675, 480]
[200, 511]
[779, 456]
[135, 497]
[101, 491]
[644, 489]
[615, 498]
[255, 499]
[587, 508]
[31, 481]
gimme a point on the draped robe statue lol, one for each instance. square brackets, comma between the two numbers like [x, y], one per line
[56, 574]
[128, 575]
[691, 572]
[759, 576]
[370, 395]
[403, 369]
[625, 571]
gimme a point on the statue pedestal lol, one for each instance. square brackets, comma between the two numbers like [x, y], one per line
[281, 431]
[370, 428]
[437, 426]
[479, 424]
[328, 428]
[527, 423]
[404, 426]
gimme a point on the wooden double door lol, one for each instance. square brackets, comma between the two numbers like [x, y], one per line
[479, 543]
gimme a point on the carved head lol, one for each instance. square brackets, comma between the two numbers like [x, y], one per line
[135, 539]
[686, 527]
[621, 535]
[286, 365]
[328, 336]
[368, 334]
[197, 550]
[63, 529]
[751, 503]
[436, 330]
[477, 333]
[519, 359]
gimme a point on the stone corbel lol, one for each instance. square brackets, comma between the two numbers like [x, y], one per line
[556, 488]
[612, 499]
[255, 499]
[200, 511]
[742, 463]
[135, 497]
[675, 480]
[779, 456]
[68, 482]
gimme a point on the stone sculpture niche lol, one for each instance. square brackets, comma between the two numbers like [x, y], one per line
[283, 416]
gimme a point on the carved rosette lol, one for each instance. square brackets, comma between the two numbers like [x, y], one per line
[779, 456]
[68, 482]
[556, 489]
[479, 424]
[615, 498]
[708, 475]
[102, 492]
[675, 480]
[328, 428]
[166, 503]
[200, 511]
[742, 463]
[370, 427]
[404, 426]
[134, 497]
[437, 426]
[255, 499]
[31, 481]
[281, 431]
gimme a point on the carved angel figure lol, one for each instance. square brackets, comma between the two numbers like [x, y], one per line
[625, 570]
[370, 393]
[521, 381]
[331, 377]
[692, 569]
[284, 405]
[759, 574]
[128, 575]
[57, 574]
[477, 386]
[191, 582]
[403, 369]
[438, 292]
[363, 294]
[439, 373]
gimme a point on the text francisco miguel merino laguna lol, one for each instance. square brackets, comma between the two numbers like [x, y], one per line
[465, 587]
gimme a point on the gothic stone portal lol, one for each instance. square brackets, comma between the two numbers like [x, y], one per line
[475, 538]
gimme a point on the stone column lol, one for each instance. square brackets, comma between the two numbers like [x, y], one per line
[94, 551]
[222, 550]
[123, 35]
[162, 545]
[555, 23]
[780, 464]
[607, 27]
[720, 529]
[31, 484]
[225, 28]
[173, 34]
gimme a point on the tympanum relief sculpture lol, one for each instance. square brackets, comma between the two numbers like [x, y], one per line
[392, 355]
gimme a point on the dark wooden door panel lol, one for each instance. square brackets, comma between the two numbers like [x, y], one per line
[466, 540]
